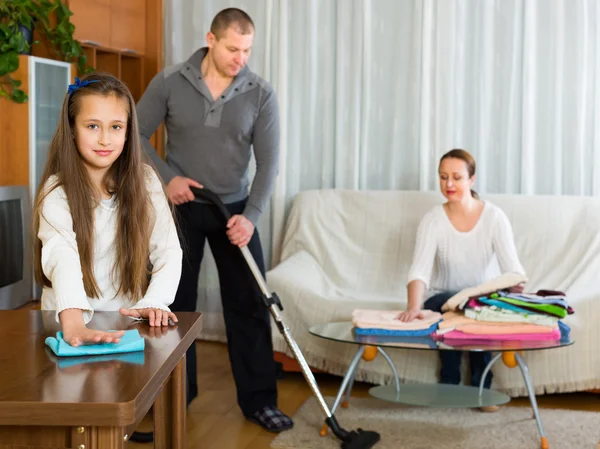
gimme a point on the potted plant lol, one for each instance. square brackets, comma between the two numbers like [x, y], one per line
[18, 19]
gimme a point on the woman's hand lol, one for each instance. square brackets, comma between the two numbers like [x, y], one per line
[81, 335]
[156, 317]
[520, 288]
[408, 315]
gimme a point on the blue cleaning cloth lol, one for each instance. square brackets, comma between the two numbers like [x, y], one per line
[130, 342]
[424, 341]
[397, 333]
[134, 358]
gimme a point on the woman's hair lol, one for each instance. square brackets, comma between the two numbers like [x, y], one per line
[125, 179]
[466, 157]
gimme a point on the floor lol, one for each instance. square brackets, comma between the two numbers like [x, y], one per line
[215, 422]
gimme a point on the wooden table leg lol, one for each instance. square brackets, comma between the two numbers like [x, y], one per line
[108, 438]
[170, 411]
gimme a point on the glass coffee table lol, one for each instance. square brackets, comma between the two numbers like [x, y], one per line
[435, 395]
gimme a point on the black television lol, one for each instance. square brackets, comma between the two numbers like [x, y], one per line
[16, 287]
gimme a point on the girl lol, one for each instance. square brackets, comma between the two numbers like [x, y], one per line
[104, 236]
[461, 239]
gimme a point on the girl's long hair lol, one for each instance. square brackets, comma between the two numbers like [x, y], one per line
[126, 179]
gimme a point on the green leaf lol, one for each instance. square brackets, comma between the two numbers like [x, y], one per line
[59, 34]
[18, 42]
[9, 62]
[5, 31]
[19, 96]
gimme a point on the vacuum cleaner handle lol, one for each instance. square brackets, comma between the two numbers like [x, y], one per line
[355, 439]
[211, 197]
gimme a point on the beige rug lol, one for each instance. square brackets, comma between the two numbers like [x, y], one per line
[426, 428]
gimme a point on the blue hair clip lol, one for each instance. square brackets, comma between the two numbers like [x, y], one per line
[78, 84]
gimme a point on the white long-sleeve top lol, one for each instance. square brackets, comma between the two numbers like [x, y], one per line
[62, 266]
[446, 259]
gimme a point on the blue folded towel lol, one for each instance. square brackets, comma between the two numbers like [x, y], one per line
[565, 330]
[130, 342]
[397, 333]
[134, 358]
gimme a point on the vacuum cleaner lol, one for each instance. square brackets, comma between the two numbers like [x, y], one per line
[354, 439]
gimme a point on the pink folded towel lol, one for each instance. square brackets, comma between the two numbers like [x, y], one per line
[459, 322]
[458, 335]
[386, 319]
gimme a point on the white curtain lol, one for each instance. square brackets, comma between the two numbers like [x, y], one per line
[373, 92]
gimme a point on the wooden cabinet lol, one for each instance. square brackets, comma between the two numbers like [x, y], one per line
[128, 26]
[92, 20]
[125, 38]
[116, 24]
[121, 37]
[27, 129]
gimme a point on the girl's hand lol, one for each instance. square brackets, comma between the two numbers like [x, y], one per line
[408, 315]
[81, 335]
[156, 317]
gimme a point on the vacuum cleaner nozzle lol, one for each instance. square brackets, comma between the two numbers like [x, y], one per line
[354, 439]
[360, 439]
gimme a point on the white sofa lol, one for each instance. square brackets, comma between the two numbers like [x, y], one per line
[344, 250]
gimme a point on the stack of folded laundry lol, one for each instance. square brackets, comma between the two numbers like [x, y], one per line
[505, 315]
[385, 323]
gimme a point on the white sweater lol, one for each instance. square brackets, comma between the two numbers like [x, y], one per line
[446, 259]
[62, 266]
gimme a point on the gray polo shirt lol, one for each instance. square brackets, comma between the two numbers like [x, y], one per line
[210, 140]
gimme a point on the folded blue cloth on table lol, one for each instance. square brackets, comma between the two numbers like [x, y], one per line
[565, 330]
[425, 341]
[398, 333]
[130, 342]
[136, 358]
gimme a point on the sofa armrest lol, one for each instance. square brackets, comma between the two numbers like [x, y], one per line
[301, 270]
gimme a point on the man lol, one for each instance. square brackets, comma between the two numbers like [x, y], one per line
[215, 109]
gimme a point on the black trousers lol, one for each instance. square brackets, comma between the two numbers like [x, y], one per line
[451, 360]
[247, 320]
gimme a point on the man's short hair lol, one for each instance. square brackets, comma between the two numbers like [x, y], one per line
[234, 18]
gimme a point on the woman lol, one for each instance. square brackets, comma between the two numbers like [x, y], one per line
[458, 244]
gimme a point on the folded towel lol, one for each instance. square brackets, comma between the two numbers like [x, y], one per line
[130, 342]
[397, 332]
[401, 341]
[507, 280]
[536, 299]
[458, 335]
[483, 301]
[135, 358]
[386, 319]
[459, 322]
[496, 314]
[548, 309]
